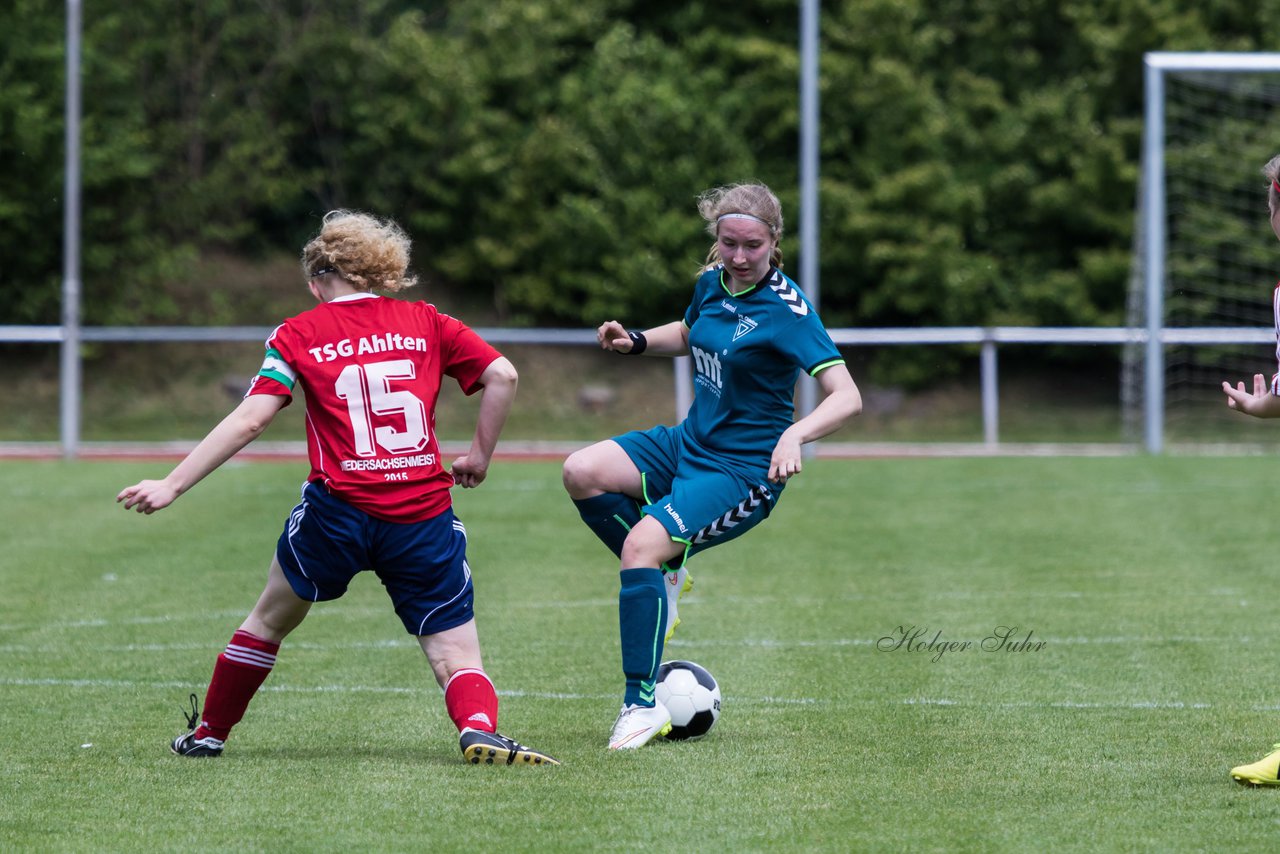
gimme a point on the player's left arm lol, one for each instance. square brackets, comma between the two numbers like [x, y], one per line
[245, 423]
[841, 401]
[499, 382]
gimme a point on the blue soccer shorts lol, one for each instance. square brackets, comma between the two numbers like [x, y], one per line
[422, 565]
[700, 499]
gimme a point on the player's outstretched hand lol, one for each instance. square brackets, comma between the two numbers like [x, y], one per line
[469, 471]
[148, 496]
[1260, 402]
[612, 335]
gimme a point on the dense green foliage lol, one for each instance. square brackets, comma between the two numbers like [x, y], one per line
[979, 157]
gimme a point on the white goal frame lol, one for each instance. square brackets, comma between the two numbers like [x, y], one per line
[1154, 213]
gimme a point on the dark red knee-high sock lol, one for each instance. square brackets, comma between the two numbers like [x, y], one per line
[238, 673]
[471, 701]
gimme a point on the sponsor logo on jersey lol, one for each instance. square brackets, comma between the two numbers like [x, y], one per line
[745, 325]
[389, 463]
[386, 343]
[728, 306]
[707, 367]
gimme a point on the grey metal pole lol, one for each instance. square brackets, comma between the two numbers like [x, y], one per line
[69, 385]
[990, 393]
[1153, 268]
[809, 180]
[684, 386]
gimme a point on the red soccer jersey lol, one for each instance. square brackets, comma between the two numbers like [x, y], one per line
[371, 368]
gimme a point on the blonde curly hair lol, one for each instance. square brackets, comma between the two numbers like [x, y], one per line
[755, 200]
[368, 252]
[1272, 171]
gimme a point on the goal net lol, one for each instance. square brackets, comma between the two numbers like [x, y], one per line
[1221, 116]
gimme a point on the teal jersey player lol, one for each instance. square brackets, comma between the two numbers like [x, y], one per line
[708, 480]
[747, 348]
[655, 497]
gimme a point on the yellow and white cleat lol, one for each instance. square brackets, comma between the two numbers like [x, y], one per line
[1260, 773]
[678, 582]
[636, 726]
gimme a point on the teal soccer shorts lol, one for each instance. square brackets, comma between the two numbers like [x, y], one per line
[700, 499]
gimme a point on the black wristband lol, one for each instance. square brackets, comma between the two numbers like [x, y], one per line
[638, 344]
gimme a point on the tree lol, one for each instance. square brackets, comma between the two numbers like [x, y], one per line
[979, 158]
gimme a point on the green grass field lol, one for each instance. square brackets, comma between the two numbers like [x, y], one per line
[1148, 580]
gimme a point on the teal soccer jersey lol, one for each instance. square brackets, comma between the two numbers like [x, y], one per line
[747, 352]
[705, 480]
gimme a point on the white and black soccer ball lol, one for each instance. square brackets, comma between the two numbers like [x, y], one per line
[692, 696]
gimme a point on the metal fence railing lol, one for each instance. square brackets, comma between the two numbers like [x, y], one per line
[988, 339]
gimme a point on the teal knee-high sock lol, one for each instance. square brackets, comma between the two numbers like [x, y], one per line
[642, 620]
[610, 516]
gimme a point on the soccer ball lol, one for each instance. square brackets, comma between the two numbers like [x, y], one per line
[692, 696]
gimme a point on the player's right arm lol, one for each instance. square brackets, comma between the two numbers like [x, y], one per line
[245, 423]
[499, 381]
[670, 339]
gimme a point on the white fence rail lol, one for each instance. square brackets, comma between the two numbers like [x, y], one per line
[989, 338]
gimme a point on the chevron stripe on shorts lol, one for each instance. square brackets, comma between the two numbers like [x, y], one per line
[747, 506]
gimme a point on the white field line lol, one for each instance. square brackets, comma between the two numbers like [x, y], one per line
[749, 643]
[765, 643]
[1134, 705]
[334, 610]
[1155, 705]
[131, 685]
[32, 649]
[1049, 641]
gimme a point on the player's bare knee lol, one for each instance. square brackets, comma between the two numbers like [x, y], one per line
[645, 547]
[579, 475]
[633, 556]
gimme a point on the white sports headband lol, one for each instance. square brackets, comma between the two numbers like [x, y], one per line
[723, 217]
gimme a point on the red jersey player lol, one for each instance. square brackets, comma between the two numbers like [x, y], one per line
[378, 495]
